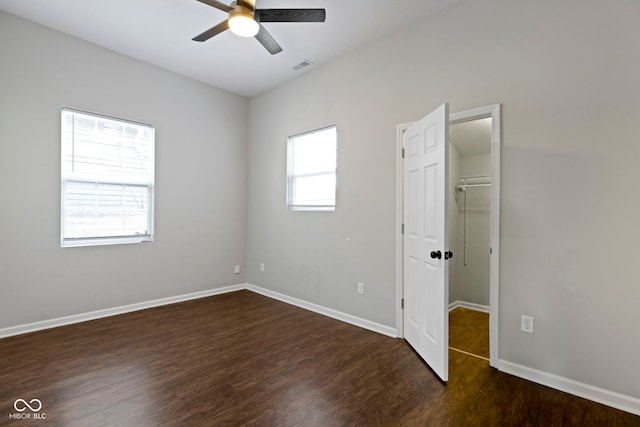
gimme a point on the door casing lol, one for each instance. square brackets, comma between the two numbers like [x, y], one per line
[492, 111]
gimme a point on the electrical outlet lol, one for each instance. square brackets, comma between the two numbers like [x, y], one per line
[262, 266]
[360, 288]
[526, 324]
[236, 269]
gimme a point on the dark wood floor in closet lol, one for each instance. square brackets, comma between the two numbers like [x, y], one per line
[244, 359]
[469, 331]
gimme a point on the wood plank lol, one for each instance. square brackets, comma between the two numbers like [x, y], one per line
[244, 359]
[469, 331]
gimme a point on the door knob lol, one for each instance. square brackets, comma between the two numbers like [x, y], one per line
[448, 255]
[436, 254]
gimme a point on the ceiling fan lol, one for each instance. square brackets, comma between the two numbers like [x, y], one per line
[245, 20]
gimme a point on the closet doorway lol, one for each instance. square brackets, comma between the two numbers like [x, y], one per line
[491, 112]
[470, 174]
[474, 289]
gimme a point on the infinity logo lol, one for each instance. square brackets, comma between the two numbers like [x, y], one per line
[26, 405]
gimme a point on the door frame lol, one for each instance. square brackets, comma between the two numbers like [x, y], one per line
[492, 111]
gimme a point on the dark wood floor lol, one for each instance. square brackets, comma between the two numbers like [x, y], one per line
[469, 331]
[244, 359]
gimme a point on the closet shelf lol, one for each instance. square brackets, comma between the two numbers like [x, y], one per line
[465, 182]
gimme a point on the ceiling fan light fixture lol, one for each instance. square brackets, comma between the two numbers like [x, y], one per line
[243, 25]
[245, 21]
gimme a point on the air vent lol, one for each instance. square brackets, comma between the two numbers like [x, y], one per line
[301, 65]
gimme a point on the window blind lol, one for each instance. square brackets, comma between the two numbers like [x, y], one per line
[107, 179]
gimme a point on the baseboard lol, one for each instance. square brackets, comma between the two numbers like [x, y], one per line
[338, 315]
[98, 314]
[596, 394]
[470, 306]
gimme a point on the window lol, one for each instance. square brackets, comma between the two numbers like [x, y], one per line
[311, 170]
[107, 180]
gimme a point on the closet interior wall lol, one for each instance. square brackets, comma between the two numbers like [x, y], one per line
[469, 282]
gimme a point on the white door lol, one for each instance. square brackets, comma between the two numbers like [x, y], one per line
[426, 282]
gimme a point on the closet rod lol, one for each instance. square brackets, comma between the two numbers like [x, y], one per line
[474, 177]
[463, 186]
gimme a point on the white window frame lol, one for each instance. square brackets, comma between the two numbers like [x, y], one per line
[70, 177]
[291, 177]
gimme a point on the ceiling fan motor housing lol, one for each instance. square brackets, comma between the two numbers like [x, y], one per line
[241, 21]
[240, 10]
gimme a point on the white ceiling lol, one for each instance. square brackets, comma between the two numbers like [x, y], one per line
[471, 138]
[160, 32]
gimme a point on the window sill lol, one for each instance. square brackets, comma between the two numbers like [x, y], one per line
[313, 208]
[72, 243]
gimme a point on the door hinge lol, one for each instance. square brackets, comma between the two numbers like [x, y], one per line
[403, 152]
[402, 228]
[402, 303]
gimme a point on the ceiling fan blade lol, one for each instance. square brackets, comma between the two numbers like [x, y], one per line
[290, 15]
[212, 31]
[217, 5]
[268, 41]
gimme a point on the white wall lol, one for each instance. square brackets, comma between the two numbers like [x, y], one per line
[472, 280]
[566, 74]
[201, 142]
[454, 236]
